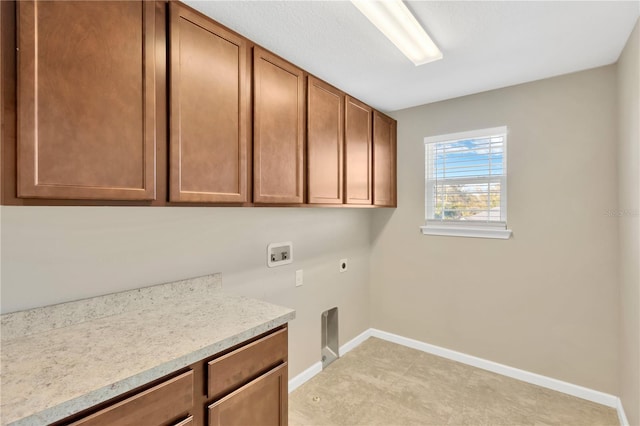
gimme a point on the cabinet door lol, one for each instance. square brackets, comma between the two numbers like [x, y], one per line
[325, 143]
[384, 160]
[278, 130]
[357, 152]
[260, 402]
[209, 121]
[86, 100]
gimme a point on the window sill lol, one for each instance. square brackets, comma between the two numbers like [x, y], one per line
[451, 231]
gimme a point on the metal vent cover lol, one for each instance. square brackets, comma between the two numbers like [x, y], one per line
[329, 346]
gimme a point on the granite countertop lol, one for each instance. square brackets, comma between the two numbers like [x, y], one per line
[59, 360]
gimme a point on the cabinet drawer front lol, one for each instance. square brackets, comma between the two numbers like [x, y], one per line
[186, 422]
[261, 402]
[161, 405]
[240, 366]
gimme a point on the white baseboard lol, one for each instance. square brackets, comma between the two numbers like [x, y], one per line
[356, 341]
[622, 417]
[304, 376]
[316, 368]
[505, 370]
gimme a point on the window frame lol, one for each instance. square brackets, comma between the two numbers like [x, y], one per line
[489, 229]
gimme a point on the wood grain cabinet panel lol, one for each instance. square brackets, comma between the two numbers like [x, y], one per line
[384, 160]
[209, 119]
[260, 402]
[186, 422]
[240, 366]
[86, 100]
[278, 130]
[358, 175]
[325, 143]
[163, 404]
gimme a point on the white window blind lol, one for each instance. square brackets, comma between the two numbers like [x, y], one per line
[466, 179]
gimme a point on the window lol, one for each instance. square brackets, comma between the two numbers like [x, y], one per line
[466, 184]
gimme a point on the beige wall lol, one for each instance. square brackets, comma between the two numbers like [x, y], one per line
[628, 224]
[546, 300]
[56, 254]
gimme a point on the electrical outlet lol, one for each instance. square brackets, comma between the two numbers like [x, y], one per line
[344, 264]
[279, 254]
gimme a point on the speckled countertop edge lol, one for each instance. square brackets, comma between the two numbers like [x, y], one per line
[197, 326]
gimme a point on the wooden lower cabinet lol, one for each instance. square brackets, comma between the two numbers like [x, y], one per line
[246, 385]
[230, 371]
[164, 404]
[260, 402]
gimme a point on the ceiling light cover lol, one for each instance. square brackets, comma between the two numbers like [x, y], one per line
[394, 19]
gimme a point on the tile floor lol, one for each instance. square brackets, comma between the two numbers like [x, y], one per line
[381, 383]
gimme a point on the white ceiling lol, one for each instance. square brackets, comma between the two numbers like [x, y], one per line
[486, 44]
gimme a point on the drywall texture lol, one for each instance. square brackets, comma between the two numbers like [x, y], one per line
[545, 300]
[628, 218]
[57, 254]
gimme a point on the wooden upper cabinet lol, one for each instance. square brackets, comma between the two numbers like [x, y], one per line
[358, 156]
[278, 130]
[384, 160]
[325, 143]
[86, 100]
[210, 115]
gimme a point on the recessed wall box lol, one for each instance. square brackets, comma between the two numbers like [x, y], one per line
[279, 254]
[329, 339]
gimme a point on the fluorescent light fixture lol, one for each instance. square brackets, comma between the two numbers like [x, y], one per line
[396, 22]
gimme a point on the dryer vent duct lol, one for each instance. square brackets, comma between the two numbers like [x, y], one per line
[329, 351]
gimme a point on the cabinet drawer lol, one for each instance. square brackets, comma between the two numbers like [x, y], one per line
[240, 366]
[186, 422]
[161, 405]
[260, 402]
